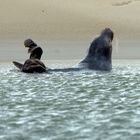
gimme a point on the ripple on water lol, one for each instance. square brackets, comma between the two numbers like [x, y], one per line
[73, 105]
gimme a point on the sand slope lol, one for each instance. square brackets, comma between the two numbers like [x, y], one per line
[68, 19]
[64, 28]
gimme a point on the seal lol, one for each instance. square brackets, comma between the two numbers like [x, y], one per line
[99, 56]
[34, 50]
[33, 64]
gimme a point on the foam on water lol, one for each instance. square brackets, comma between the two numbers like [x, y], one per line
[82, 105]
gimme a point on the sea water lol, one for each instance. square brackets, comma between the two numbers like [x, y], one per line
[85, 105]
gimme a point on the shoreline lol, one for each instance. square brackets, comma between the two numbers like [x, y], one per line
[14, 50]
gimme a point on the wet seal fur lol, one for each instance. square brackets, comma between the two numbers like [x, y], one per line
[31, 66]
[99, 56]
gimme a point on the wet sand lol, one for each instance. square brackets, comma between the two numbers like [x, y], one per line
[64, 29]
[61, 50]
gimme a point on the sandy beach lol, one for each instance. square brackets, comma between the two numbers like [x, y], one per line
[65, 28]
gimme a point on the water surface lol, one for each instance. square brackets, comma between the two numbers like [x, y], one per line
[86, 105]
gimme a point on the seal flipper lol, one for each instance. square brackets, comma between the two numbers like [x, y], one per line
[18, 65]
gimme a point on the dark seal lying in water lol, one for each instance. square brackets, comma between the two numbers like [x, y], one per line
[31, 66]
[99, 56]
